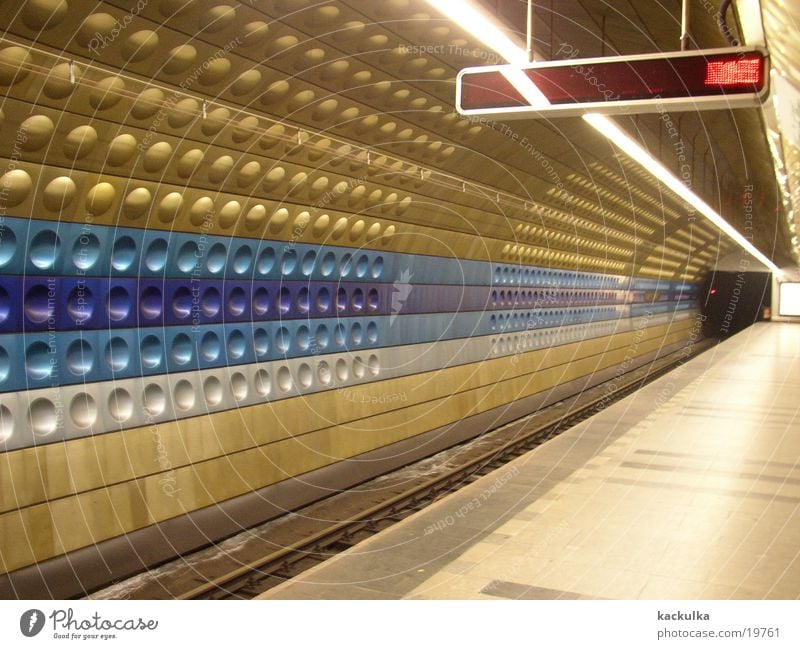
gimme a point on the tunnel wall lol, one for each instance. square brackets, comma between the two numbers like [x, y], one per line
[203, 297]
[732, 301]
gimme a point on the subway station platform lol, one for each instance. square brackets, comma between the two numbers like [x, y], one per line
[687, 489]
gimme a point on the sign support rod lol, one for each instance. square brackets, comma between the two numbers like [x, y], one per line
[530, 31]
[685, 25]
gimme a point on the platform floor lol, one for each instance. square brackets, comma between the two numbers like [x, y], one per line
[688, 489]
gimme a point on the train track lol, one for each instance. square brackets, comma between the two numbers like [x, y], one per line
[255, 572]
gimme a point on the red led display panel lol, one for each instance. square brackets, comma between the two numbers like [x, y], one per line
[620, 80]
[739, 72]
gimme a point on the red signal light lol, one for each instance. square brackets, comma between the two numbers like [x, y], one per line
[736, 72]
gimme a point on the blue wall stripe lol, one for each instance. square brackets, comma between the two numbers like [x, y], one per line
[41, 247]
[46, 359]
[71, 303]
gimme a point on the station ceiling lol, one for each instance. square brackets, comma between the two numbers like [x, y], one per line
[729, 150]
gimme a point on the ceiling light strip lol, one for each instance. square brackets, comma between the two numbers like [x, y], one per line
[481, 25]
[634, 151]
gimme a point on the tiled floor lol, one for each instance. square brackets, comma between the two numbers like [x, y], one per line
[688, 489]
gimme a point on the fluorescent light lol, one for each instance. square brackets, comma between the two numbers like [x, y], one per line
[634, 151]
[481, 25]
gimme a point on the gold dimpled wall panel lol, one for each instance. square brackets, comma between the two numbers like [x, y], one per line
[361, 221]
